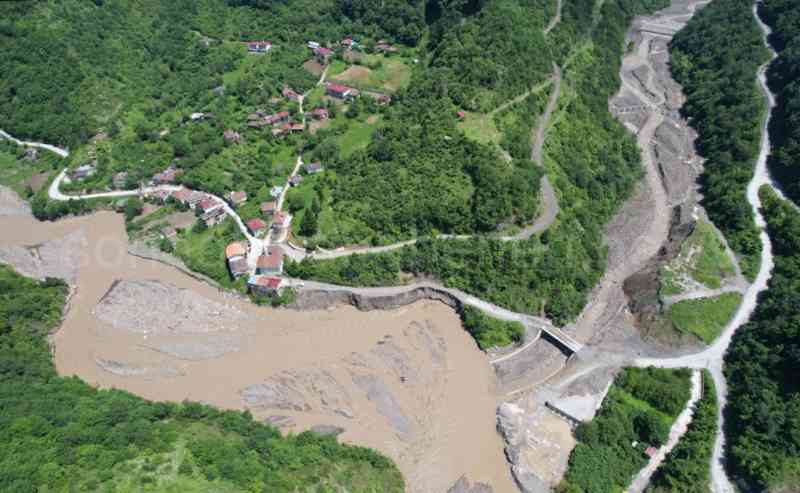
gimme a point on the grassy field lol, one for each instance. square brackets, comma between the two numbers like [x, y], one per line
[377, 72]
[705, 317]
[480, 127]
[16, 173]
[702, 259]
[204, 251]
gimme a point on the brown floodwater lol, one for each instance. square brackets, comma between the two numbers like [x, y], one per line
[446, 398]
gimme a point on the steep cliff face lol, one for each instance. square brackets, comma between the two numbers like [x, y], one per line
[320, 300]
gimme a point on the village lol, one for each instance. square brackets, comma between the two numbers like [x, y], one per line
[270, 221]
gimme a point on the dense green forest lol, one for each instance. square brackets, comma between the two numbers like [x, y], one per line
[763, 411]
[138, 72]
[60, 434]
[783, 16]
[594, 162]
[639, 409]
[717, 72]
[687, 468]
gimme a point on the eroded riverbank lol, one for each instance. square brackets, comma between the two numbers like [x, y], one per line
[409, 382]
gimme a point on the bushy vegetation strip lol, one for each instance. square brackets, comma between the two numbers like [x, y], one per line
[491, 332]
[717, 72]
[763, 411]
[60, 434]
[687, 468]
[637, 413]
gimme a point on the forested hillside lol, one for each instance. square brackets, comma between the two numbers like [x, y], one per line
[783, 16]
[416, 173]
[60, 434]
[763, 412]
[138, 73]
[717, 72]
[595, 163]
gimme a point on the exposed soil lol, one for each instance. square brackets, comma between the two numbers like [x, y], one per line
[314, 67]
[355, 73]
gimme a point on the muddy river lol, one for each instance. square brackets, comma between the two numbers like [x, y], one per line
[409, 382]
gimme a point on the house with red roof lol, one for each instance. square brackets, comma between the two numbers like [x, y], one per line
[268, 208]
[290, 94]
[339, 91]
[208, 204]
[384, 47]
[265, 285]
[281, 220]
[323, 54]
[182, 195]
[256, 226]
[271, 261]
[278, 118]
[238, 198]
[319, 114]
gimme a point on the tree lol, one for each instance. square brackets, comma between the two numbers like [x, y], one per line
[133, 207]
[296, 201]
[199, 226]
[308, 227]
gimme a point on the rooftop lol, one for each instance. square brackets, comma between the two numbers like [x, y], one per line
[235, 249]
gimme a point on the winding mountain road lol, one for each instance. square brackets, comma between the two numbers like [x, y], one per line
[555, 20]
[58, 150]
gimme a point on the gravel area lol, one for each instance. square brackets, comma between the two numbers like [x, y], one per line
[59, 258]
[150, 307]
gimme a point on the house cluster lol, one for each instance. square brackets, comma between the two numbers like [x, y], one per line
[265, 279]
[210, 209]
[258, 47]
[279, 220]
[279, 122]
